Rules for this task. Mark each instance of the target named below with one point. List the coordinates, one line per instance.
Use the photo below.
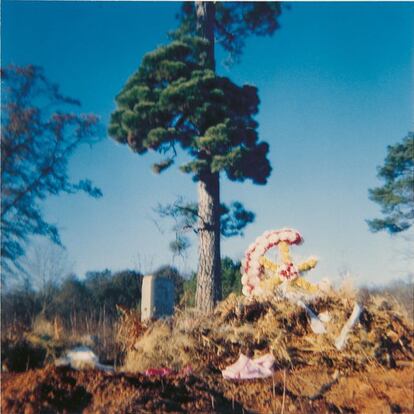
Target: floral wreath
(256, 267)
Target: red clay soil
(52, 390)
(312, 390)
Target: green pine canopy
(172, 99)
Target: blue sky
(336, 87)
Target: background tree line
(78, 302)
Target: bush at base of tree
(231, 282)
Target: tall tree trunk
(205, 11)
(209, 271)
(209, 268)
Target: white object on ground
(317, 325)
(247, 368)
(324, 316)
(316, 321)
(343, 336)
(82, 357)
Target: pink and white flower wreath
(253, 270)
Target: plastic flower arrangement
(260, 276)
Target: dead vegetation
(26, 347)
(383, 335)
(374, 369)
(374, 372)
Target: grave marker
(157, 297)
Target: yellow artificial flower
(284, 252)
(303, 284)
(268, 264)
(308, 265)
(269, 284)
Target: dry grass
(161, 346)
(312, 376)
(24, 347)
(382, 336)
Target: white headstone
(157, 297)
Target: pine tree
(396, 196)
(176, 99)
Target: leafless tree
(45, 266)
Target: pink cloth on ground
(247, 368)
(164, 372)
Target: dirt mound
(382, 336)
(51, 390)
(314, 390)
(372, 373)
(307, 390)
